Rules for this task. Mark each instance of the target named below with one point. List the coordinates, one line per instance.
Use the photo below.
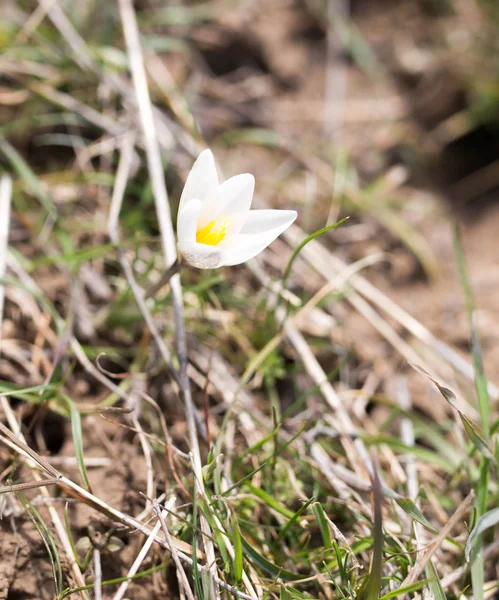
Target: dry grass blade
(418, 569)
(143, 552)
(319, 377)
(72, 104)
(13, 441)
(181, 575)
(247, 581)
(97, 575)
(76, 347)
(153, 153)
(20, 487)
(408, 437)
(321, 260)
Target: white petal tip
(250, 178)
(206, 154)
(202, 178)
(244, 179)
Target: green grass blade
(302, 244)
(270, 501)
(475, 434)
(489, 519)
(77, 439)
(218, 534)
(434, 582)
(69, 591)
(242, 480)
(293, 519)
(47, 539)
(238, 549)
(404, 590)
(477, 571)
(269, 566)
(320, 515)
(70, 536)
(27, 175)
(481, 386)
(409, 507)
(195, 570)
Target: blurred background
(386, 111)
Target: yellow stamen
(213, 233)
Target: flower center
(213, 233)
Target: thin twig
(97, 575)
(29, 485)
(181, 576)
(456, 518)
(147, 456)
(409, 439)
(142, 554)
(163, 280)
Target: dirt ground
(276, 65)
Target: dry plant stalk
(433, 546)
(155, 168)
(143, 552)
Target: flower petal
(202, 179)
(187, 220)
(201, 256)
(259, 221)
(264, 230)
(232, 196)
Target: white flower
(215, 226)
